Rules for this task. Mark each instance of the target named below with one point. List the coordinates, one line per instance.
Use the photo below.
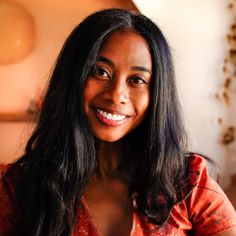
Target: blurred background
(201, 33)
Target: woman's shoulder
(6, 200)
(5, 182)
(197, 169)
(6, 188)
(208, 207)
(10, 175)
(3, 169)
(6, 179)
(196, 161)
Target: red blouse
(206, 211)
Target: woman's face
(117, 92)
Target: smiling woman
(116, 94)
(108, 156)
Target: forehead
(127, 46)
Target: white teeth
(111, 116)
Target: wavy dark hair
(60, 156)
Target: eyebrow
(110, 62)
(141, 68)
(106, 60)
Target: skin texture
(119, 84)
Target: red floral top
(206, 211)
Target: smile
(111, 116)
(110, 119)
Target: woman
(108, 156)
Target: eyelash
(98, 71)
(137, 80)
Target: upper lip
(113, 111)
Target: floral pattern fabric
(206, 211)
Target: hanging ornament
(17, 32)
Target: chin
(108, 138)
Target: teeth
(111, 116)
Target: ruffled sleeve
(209, 209)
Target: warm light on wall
(31, 35)
(17, 32)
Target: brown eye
(98, 71)
(137, 80)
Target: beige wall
(20, 81)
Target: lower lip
(108, 122)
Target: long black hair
(60, 156)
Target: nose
(116, 92)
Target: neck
(109, 156)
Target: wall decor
(17, 32)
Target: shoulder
(209, 209)
(197, 168)
(5, 183)
(6, 180)
(7, 200)
(5, 188)
(3, 168)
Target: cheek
(88, 94)
(145, 104)
(88, 88)
(89, 91)
(142, 102)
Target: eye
(137, 80)
(100, 72)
